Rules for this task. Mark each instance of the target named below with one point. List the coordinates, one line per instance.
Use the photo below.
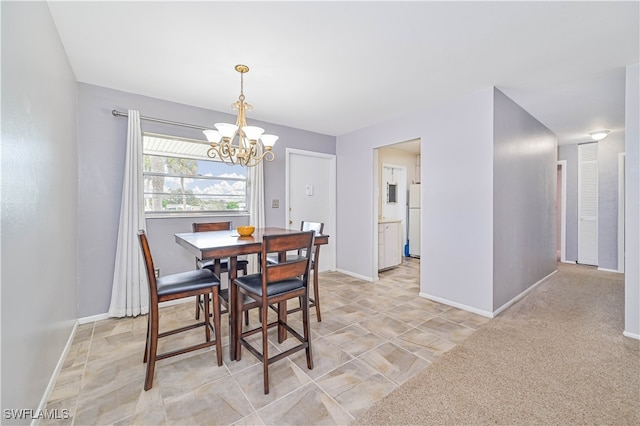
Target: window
(180, 177)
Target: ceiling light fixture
(250, 147)
(599, 135)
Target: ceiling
(335, 67)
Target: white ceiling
(335, 67)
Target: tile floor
(372, 339)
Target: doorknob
(290, 222)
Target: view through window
(180, 177)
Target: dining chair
(318, 227)
(201, 282)
(275, 284)
(222, 265)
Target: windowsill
(187, 215)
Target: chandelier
(239, 143)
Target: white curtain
(130, 291)
(256, 206)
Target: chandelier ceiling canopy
(239, 143)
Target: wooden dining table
(229, 244)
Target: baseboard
(609, 270)
(100, 317)
(353, 274)
(456, 305)
(631, 335)
(93, 318)
(572, 262)
(54, 376)
(521, 295)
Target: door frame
(332, 196)
(621, 209)
(563, 213)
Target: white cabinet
(389, 245)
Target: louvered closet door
(588, 204)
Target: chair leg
(153, 348)
(216, 325)
(238, 325)
(282, 319)
(316, 294)
(207, 329)
(198, 307)
(307, 331)
(146, 344)
(265, 348)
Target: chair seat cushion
(253, 283)
(186, 281)
(224, 264)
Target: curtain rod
(117, 113)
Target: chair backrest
(318, 227)
(148, 260)
(211, 226)
(289, 269)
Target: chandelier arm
(267, 155)
(246, 152)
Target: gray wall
(632, 203)
(524, 196)
(569, 153)
(39, 207)
(101, 152)
(608, 150)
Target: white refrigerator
(414, 220)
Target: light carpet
(557, 356)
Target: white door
(588, 204)
(311, 196)
(394, 182)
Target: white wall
(39, 204)
(632, 199)
(457, 158)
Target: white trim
(621, 203)
(482, 312)
(631, 335)
(609, 270)
(375, 214)
(457, 305)
(521, 295)
(93, 318)
(55, 374)
(101, 317)
(353, 274)
(563, 218)
(332, 196)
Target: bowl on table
(245, 231)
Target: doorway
(311, 196)
(387, 160)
